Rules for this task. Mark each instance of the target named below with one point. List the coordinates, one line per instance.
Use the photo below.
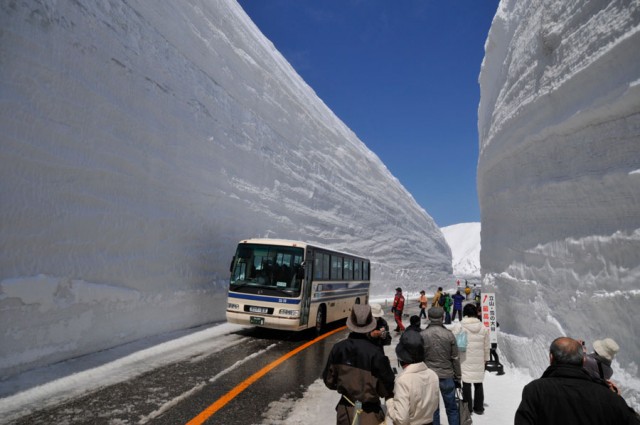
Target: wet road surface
(179, 392)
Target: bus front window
(272, 270)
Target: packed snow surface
(464, 241)
(558, 182)
(140, 142)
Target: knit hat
(410, 349)
(435, 313)
(376, 310)
(360, 320)
(606, 348)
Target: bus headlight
(292, 313)
(232, 306)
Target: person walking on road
(423, 305)
(359, 371)
(398, 307)
(416, 395)
(472, 361)
(441, 356)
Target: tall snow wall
(559, 175)
(140, 141)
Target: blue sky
(403, 75)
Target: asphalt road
(179, 392)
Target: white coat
(472, 361)
(416, 396)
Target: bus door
(305, 305)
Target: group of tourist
(431, 362)
(574, 389)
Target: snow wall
(140, 142)
(559, 175)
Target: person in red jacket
(398, 306)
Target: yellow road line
(222, 401)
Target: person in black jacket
(380, 334)
(566, 394)
(359, 371)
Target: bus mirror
(300, 272)
(233, 260)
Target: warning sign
(489, 315)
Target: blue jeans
(448, 390)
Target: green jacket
(447, 304)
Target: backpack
(461, 340)
(441, 300)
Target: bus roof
(299, 244)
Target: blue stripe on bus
(264, 298)
(333, 297)
(341, 286)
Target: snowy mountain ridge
(141, 142)
(464, 240)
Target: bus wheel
(320, 320)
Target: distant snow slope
(140, 141)
(559, 125)
(464, 241)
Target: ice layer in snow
(140, 141)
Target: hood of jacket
(472, 324)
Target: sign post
(490, 321)
(489, 315)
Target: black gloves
(458, 383)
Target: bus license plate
(256, 320)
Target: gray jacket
(440, 350)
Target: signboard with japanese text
(489, 320)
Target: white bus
(290, 285)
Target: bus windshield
(267, 269)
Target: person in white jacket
(417, 389)
(473, 359)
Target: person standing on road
(414, 324)
(380, 334)
(416, 395)
(477, 292)
(448, 302)
(441, 356)
(598, 363)
(472, 361)
(359, 371)
(567, 394)
(436, 297)
(398, 307)
(457, 306)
